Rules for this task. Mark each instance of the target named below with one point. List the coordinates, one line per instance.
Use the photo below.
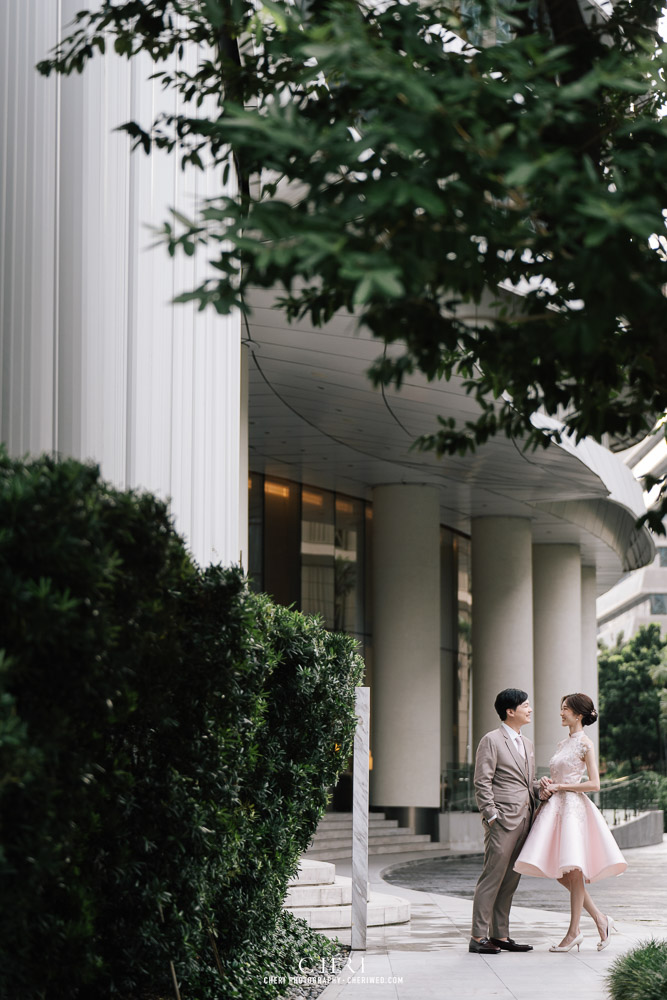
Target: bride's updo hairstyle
(581, 705)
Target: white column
(406, 640)
(589, 646)
(95, 361)
(557, 628)
(502, 614)
(28, 226)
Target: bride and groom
(547, 828)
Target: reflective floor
(637, 895)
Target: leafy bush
(166, 739)
(629, 674)
(641, 974)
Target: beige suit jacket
(505, 781)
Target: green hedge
(641, 974)
(166, 740)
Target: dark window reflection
(256, 531)
(311, 547)
(318, 553)
(349, 566)
(462, 548)
(282, 514)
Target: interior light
(313, 499)
(276, 489)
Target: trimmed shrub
(641, 974)
(85, 580)
(302, 746)
(166, 739)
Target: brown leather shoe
(483, 947)
(510, 945)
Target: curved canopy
(315, 418)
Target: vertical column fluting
(557, 635)
(502, 614)
(589, 645)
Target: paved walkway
(428, 957)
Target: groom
(506, 794)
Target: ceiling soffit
(315, 418)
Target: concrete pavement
(428, 957)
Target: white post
(360, 820)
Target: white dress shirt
(516, 739)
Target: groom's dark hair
(509, 698)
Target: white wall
(96, 363)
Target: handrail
(629, 795)
(623, 797)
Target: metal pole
(360, 820)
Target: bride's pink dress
(569, 831)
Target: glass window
(658, 604)
(318, 553)
(464, 730)
(662, 553)
(282, 505)
(349, 565)
(256, 531)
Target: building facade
(640, 597)
(458, 576)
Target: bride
(570, 840)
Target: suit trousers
(497, 883)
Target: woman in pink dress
(569, 839)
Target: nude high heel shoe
(568, 947)
(611, 929)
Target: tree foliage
(495, 208)
(632, 688)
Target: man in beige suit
(507, 795)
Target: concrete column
(589, 646)
(557, 634)
(502, 614)
(406, 640)
(97, 362)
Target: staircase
(324, 899)
(333, 838)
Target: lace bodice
(569, 762)
(569, 832)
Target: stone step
(345, 819)
(313, 871)
(382, 909)
(338, 893)
(403, 834)
(336, 829)
(345, 853)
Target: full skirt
(570, 833)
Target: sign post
(360, 820)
